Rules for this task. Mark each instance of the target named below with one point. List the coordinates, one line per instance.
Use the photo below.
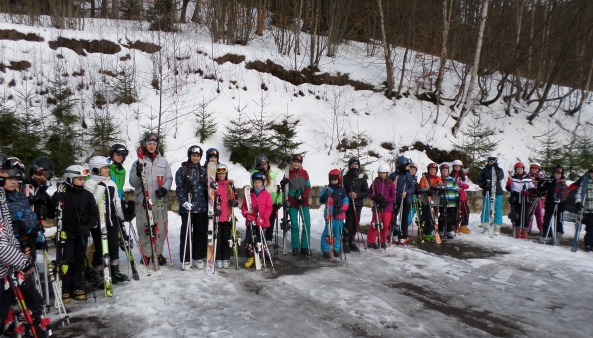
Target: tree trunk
(443, 59)
(196, 16)
(93, 8)
(469, 102)
(315, 17)
(183, 11)
(115, 9)
(387, 53)
(104, 4)
(401, 78)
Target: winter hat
(353, 159)
(401, 163)
(559, 168)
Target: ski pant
(404, 226)
(223, 249)
(427, 219)
(273, 216)
(463, 213)
(337, 225)
(588, 222)
(485, 216)
(159, 217)
(73, 255)
(250, 241)
(350, 224)
(296, 218)
(6, 300)
(112, 246)
(198, 237)
(548, 215)
(517, 215)
(90, 251)
(447, 219)
(538, 215)
(385, 217)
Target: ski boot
(117, 275)
(326, 255)
(65, 298)
(464, 230)
(306, 252)
(162, 260)
(226, 264)
(97, 278)
(218, 264)
(337, 254)
(79, 295)
(249, 262)
(372, 246)
(450, 235)
(295, 251)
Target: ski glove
(440, 186)
(161, 192)
(301, 200)
(38, 198)
(188, 206)
(579, 207)
(233, 203)
(379, 199)
(83, 231)
(214, 185)
(261, 222)
(525, 193)
(284, 181)
(58, 197)
(139, 169)
(250, 218)
(217, 212)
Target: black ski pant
(350, 225)
(112, 246)
(447, 219)
(588, 222)
(516, 208)
(251, 241)
(273, 216)
(427, 218)
(73, 254)
(223, 250)
(549, 212)
(199, 224)
(6, 300)
(463, 213)
(405, 212)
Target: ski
(492, 203)
(255, 248)
(150, 228)
(285, 221)
(210, 254)
(329, 238)
(577, 227)
(234, 242)
(129, 254)
(30, 325)
(161, 208)
(107, 283)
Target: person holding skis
(413, 171)
(272, 185)
(404, 192)
(212, 155)
(491, 174)
(382, 192)
(225, 200)
(298, 200)
(191, 181)
(261, 208)
(105, 191)
(430, 185)
(536, 175)
(584, 205)
(520, 186)
(335, 198)
(556, 192)
(462, 181)
(448, 203)
(157, 170)
(357, 187)
(79, 215)
(35, 187)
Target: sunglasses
(84, 172)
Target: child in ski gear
(463, 207)
(357, 187)
(536, 175)
(584, 205)
(556, 192)
(336, 203)
(404, 191)
(35, 187)
(79, 215)
(212, 156)
(105, 191)
(191, 180)
(272, 185)
(382, 192)
(490, 174)
(413, 171)
(298, 199)
(227, 199)
(520, 186)
(448, 203)
(261, 208)
(157, 170)
(430, 185)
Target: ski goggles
(13, 163)
(334, 177)
(122, 151)
(492, 159)
(297, 158)
(213, 153)
(152, 141)
(42, 172)
(83, 172)
(221, 171)
(558, 170)
(195, 150)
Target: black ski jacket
(361, 187)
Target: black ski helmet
(2, 160)
(297, 158)
(259, 160)
(258, 176)
(211, 152)
(44, 166)
(120, 149)
(401, 163)
(14, 167)
(194, 150)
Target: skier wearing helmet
(272, 185)
(448, 203)
(35, 187)
(536, 175)
(490, 179)
(335, 198)
(430, 185)
(463, 207)
(382, 192)
(521, 187)
(404, 192)
(357, 187)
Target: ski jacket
(450, 195)
(272, 186)
(101, 186)
(463, 184)
(5, 219)
(78, 201)
(118, 175)
(299, 185)
(357, 183)
(42, 204)
(337, 202)
(153, 167)
(261, 206)
(585, 194)
(20, 209)
(385, 188)
(486, 174)
(226, 193)
(10, 254)
(554, 190)
(191, 177)
(516, 184)
(404, 180)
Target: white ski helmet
(535, 165)
(457, 162)
(74, 171)
(98, 162)
(383, 168)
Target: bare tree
(387, 53)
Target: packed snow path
(471, 286)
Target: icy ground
(472, 286)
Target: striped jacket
(516, 184)
(10, 253)
(450, 195)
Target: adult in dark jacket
(556, 192)
(357, 187)
(35, 187)
(404, 190)
(490, 174)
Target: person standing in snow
(157, 170)
(462, 206)
(335, 198)
(413, 171)
(382, 192)
(357, 187)
(584, 205)
(191, 180)
(536, 175)
(448, 204)
(556, 192)
(490, 174)
(35, 187)
(261, 207)
(272, 185)
(404, 192)
(226, 199)
(430, 185)
(520, 186)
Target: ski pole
(161, 207)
